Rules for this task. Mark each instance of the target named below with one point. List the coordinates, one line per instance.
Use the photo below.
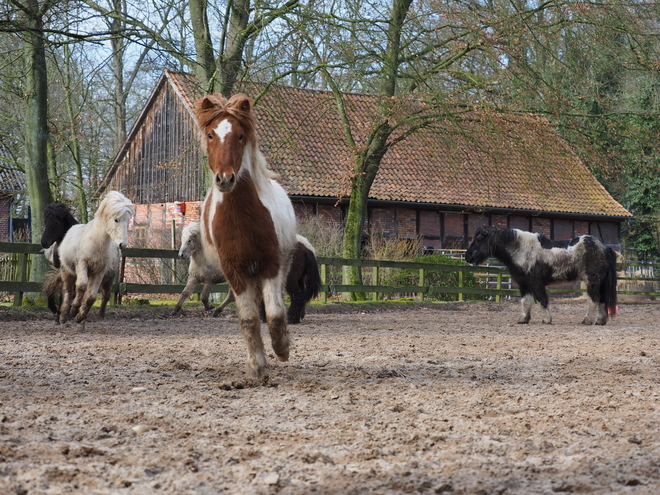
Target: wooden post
(499, 286)
(375, 277)
(116, 297)
(324, 273)
(422, 274)
(460, 284)
(174, 274)
(21, 273)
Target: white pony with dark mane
(200, 270)
(90, 253)
(534, 261)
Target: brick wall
(580, 228)
(429, 223)
(5, 212)
(501, 221)
(406, 220)
(152, 225)
(330, 214)
(542, 226)
(382, 221)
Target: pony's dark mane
(212, 107)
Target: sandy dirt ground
(444, 398)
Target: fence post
(460, 284)
(375, 282)
(22, 275)
(498, 297)
(324, 273)
(116, 297)
(422, 282)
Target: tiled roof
(479, 160)
(11, 180)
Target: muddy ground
(445, 398)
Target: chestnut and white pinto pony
(303, 282)
(248, 219)
(534, 261)
(89, 256)
(200, 270)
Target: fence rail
(490, 275)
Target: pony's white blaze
(223, 129)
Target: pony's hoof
(256, 374)
(217, 312)
(523, 321)
(587, 322)
(283, 358)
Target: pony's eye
(116, 220)
(240, 138)
(210, 136)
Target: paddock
(448, 398)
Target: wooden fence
(494, 278)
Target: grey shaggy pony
(534, 261)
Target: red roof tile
(486, 160)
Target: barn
(440, 184)
(12, 183)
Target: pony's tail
(312, 277)
(608, 289)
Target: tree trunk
(368, 161)
(36, 127)
(118, 49)
(205, 66)
(230, 59)
(73, 137)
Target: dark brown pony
(248, 219)
(57, 222)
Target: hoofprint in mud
(436, 398)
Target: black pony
(535, 261)
(303, 281)
(57, 222)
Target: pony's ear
(240, 102)
(205, 103)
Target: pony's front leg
(106, 287)
(206, 293)
(248, 322)
(82, 282)
(68, 287)
(526, 307)
(89, 297)
(185, 294)
(276, 316)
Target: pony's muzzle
(224, 183)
